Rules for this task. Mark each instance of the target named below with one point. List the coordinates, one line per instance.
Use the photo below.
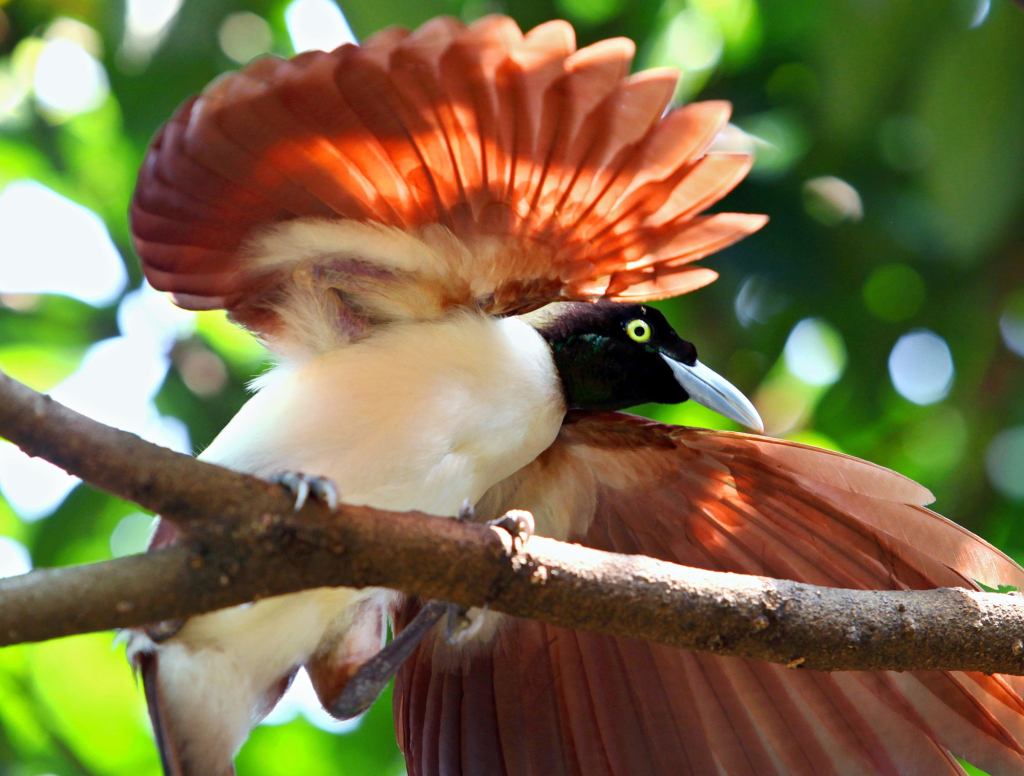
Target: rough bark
(246, 542)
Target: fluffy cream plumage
(417, 416)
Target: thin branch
(247, 543)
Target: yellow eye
(638, 330)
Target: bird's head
(610, 356)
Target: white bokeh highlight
(52, 245)
(982, 8)
(1011, 327)
(301, 699)
(14, 558)
(243, 36)
(1004, 462)
(146, 314)
(757, 301)
(115, 384)
(132, 534)
(316, 25)
(921, 367)
(815, 352)
(68, 79)
(146, 24)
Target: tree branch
(245, 542)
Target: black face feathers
(610, 356)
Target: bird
(451, 239)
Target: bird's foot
(517, 523)
(462, 624)
(302, 486)
(163, 630)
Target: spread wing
(456, 165)
(545, 700)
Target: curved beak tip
(711, 390)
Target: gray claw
(518, 523)
(302, 485)
(325, 490)
(461, 625)
(467, 514)
(456, 623)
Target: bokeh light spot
(244, 36)
(894, 292)
(739, 24)
(815, 352)
(758, 300)
(980, 14)
(921, 367)
(1004, 461)
(55, 246)
(68, 79)
(1011, 323)
(132, 534)
(783, 141)
(316, 24)
(32, 486)
(146, 314)
(146, 24)
(831, 200)
(14, 92)
(114, 384)
(202, 370)
(301, 698)
(14, 558)
(690, 42)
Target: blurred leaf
(739, 22)
(815, 439)
(370, 748)
(973, 107)
(19, 160)
(91, 700)
(862, 52)
(39, 366)
(10, 523)
(79, 530)
(103, 181)
(971, 770)
(236, 345)
(1002, 589)
(590, 11)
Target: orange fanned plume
(557, 172)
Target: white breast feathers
(417, 416)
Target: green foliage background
(917, 106)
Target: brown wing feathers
(736, 503)
(558, 154)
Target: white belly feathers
(418, 416)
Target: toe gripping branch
(373, 676)
(302, 486)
